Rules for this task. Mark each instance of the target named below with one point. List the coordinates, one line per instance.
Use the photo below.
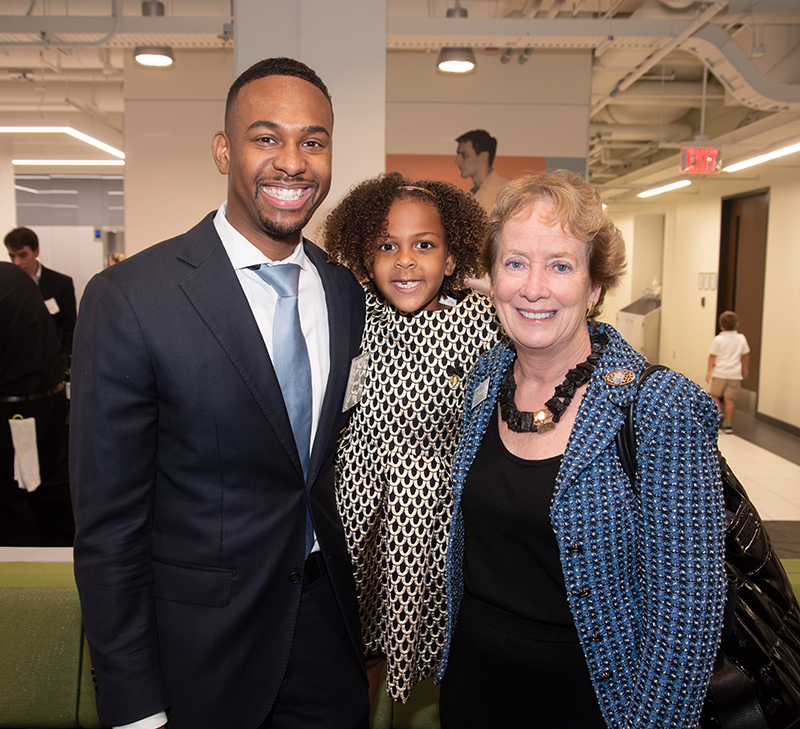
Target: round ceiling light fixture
(154, 56)
(456, 60)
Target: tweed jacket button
(584, 592)
(604, 676)
(575, 548)
(595, 637)
(295, 577)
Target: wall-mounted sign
(701, 160)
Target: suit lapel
(339, 306)
(211, 285)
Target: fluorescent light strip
(762, 158)
(666, 188)
(65, 130)
(68, 162)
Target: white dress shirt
(263, 299)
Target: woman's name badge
(355, 381)
(481, 393)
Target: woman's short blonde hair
(577, 207)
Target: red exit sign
(701, 160)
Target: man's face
(467, 161)
(276, 151)
(25, 258)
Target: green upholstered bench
(45, 673)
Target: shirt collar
(242, 253)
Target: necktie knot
(284, 277)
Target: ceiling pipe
(652, 60)
(45, 42)
(639, 132)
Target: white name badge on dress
(481, 393)
(52, 306)
(355, 381)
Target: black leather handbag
(755, 683)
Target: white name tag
(481, 393)
(52, 306)
(355, 381)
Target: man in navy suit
(57, 289)
(201, 602)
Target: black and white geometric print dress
(393, 475)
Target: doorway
(742, 265)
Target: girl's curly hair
(353, 230)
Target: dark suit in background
(55, 285)
(30, 387)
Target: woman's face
(541, 284)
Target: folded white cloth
(26, 454)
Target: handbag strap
(731, 690)
(626, 435)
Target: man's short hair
(19, 238)
(728, 321)
(273, 67)
(482, 141)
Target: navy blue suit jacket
(58, 286)
(189, 496)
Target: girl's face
(412, 259)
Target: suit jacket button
(295, 577)
(605, 675)
(594, 637)
(584, 592)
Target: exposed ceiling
(665, 72)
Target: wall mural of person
(474, 157)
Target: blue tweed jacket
(644, 573)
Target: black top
(511, 557)
(29, 351)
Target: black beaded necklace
(543, 420)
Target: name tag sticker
(355, 381)
(52, 306)
(480, 394)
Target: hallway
(767, 462)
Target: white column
(8, 196)
(345, 43)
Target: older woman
(573, 599)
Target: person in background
(35, 509)
(57, 289)
(474, 158)
(116, 257)
(577, 599)
(411, 244)
(207, 390)
(728, 365)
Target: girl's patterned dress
(393, 475)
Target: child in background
(728, 365)
(411, 244)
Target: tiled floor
(772, 482)
(767, 462)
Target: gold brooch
(619, 377)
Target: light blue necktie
(290, 359)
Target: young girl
(411, 244)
